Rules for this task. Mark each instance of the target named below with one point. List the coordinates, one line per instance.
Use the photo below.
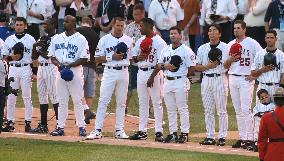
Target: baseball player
(68, 51)
(241, 83)
(264, 105)
(113, 51)
(2, 86)
(149, 79)
(176, 84)
(46, 76)
(21, 71)
(269, 76)
(214, 86)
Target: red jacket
(269, 129)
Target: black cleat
(28, 127)
(41, 129)
(159, 137)
(239, 144)
(208, 141)
(171, 138)
(252, 146)
(89, 115)
(183, 137)
(221, 142)
(139, 135)
(9, 127)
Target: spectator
(60, 13)
(219, 12)
(4, 30)
(127, 8)
(190, 22)
(166, 14)
(273, 19)
(255, 20)
(271, 131)
(243, 7)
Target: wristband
(108, 58)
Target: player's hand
(142, 56)
(250, 78)
(169, 66)
(34, 77)
(117, 56)
(267, 68)
(212, 65)
(16, 57)
(234, 58)
(150, 82)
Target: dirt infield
(131, 123)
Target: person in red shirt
(271, 131)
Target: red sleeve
(262, 137)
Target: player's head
(87, 21)
(147, 25)
(138, 12)
(270, 38)
(3, 18)
(118, 25)
(239, 29)
(175, 34)
(279, 97)
(69, 23)
(20, 24)
(263, 96)
(214, 32)
(49, 25)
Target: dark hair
(271, 31)
(243, 24)
(279, 101)
(148, 21)
(176, 28)
(139, 6)
(21, 19)
(118, 19)
(259, 92)
(216, 26)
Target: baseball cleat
(40, 129)
(208, 141)
(89, 115)
(221, 142)
(139, 135)
(183, 137)
(239, 144)
(95, 134)
(251, 146)
(171, 138)
(120, 134)
(159, 137)
(9, 127)
(28, 127)
(82, 131)
(57, 132)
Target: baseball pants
(256, 120)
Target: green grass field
(34, 150)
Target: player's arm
(208, 66)
(264, 69)
(229, 61)
(78, 62)
(55, 62)
(150, 81)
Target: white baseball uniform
(46, 80)
(241, 90)
(22, 72)
(262, 108)
(146, 68)
(2, 67)
(176, 87)
(68, 49)
(115, 78)
(214, 90)
(269, 80)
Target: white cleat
(95, 134)
(121, 135)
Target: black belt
(270, 84)
(18, 65)
(146, 69)
(43, 64)
(276, 140)
(212, 75)
(239, 75)
(173, 78)
(117, 68)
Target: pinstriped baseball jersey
(259, 107)
(202, 57)
(273, 76)
(106, 48)
(186, 54)
(157, 46)
(28, 42)
(249, 48)
(68, 49)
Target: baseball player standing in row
(241, 83)
(2, 86)
(269, 76)
(46, 75)
(21, 71)
(146, 53)
(68, 51)
(178, 61)
(114, 51)
(214, 86)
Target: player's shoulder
(232, 42)
(30, 37)
(260, 52)
(159, 40)
(107, 37)
(203, 47)
(279, 53)
(126, 37)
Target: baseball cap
(279, 92)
